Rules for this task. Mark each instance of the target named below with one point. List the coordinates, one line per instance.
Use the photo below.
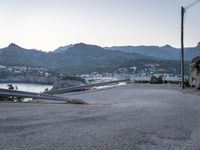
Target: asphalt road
(122, 118)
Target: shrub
(11, 98)
(156, 80)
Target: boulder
(195, 73)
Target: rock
(195, 73)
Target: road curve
(121, 118)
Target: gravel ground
(136, 117)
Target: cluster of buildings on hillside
(15, 70)
(25, 74)
(107, 77)
(32, 74)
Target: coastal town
(99, 75)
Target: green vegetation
(3, 98)
(10, 87)
(46, 90)
(11, 98)
(82, 58)
(187, 83)
(156, 80)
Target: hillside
(88, 58)
(164, 52)
(14, 55)
(79, 58)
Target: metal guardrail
(24, 94)
(142, 79)
(83, 87)
(178, 79)
(47, 96)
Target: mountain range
(84, 58)
(164, 52)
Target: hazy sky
(48, 24)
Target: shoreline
(18, 82)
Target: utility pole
(183, 10)
(182, 47)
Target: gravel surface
(138, 117)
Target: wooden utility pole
(182, 47)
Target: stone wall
(195, 73)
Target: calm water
(27, 86)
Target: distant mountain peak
(13, 45)
(63, 48)
(167, 46)
(80, 44)
(74, 46)
(83, 45)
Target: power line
(188, 2)
(181, 2)
(192, 4)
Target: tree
(10, 87)
(11, 98)
(46, 90)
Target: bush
(11, 87)
(156, 80)
(187, 83)
(3, 98)
(11, 98)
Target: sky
(49, 24)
